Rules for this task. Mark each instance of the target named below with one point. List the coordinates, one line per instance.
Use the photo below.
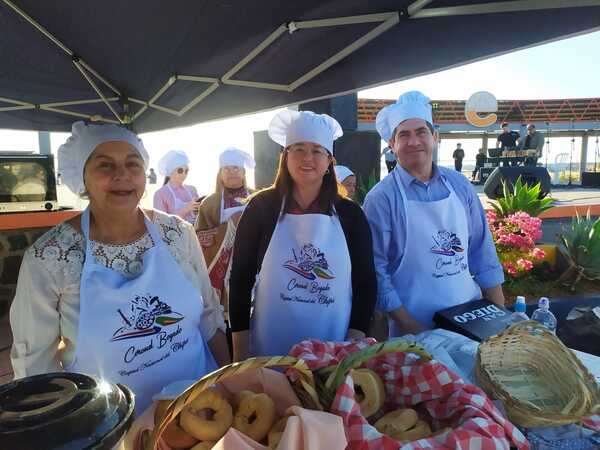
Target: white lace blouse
(44, 314)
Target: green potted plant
(364, 187)
(522, 198)
(580, 246)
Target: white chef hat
(235, 157)
(342, 172)
(171, 161)
(84, 139)
(290, 127)
(410, 105)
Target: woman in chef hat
(231, 190)
(347, 179)
(218, 218)
(175, 197)
(99, 293)
(308, 249)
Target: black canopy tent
(155, 65)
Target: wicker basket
(540, 381)
(330, 378)
(304, 387)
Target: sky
(569, 68)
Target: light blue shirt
(384, 209)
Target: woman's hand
(219, 349)
(241, 348)
(192, 206)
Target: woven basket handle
(306, 379)
(356, 359)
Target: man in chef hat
(431, 243)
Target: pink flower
(525, 264)
(511, 269)
(538, 253)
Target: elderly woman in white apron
(175, 197)
(116, 292)
(302, 250)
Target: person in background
(174, 197)
(390, 158)
(98, 293)
(302, 260)
(347, 179)
(218, 219)
(534, 140)
(231, 190)
(458, 156)
(480, 159)
(507, 140)
(431, 243)
(152, 176)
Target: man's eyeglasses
(181, 170)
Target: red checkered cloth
(441, 395)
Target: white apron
(143, 332)
(304, 287)
(179, 204)
(434, 271)
(226, 213)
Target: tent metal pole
(257, 50)
(501, 7)
(15, 102)
(76, 114)
(349, 20)
(58, 43)
(258, 85)
(100, 94)
(16, 108)
(141, 111)
(80, 102)
(164, 109)
(417, 6)
(38, 27)
(380, 29)
(198, 99)
(170, 82)
(197, 79)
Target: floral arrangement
(514, 237)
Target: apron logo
(446, 243)
(310, 264)
(147, 316)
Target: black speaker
(529, 175)
(266, 155)
(590, 179)
(342, 108)
(360, 151)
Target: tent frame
(416, 10)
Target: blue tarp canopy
(155, 64)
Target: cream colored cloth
(45, 311)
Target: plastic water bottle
(544, 316)
(519, 315)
